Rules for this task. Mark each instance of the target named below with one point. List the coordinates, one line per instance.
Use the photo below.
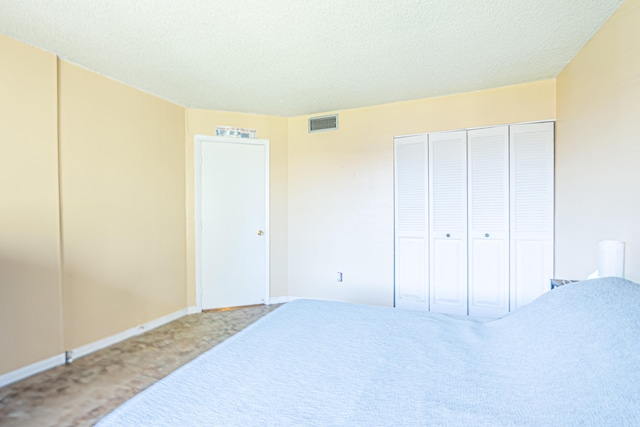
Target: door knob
(260, 232)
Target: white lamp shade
(610, 258)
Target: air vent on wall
(323, 123)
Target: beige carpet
(81, 393)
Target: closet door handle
(486, 235)
(448, 235)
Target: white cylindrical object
(610, 258)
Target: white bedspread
(572, 357)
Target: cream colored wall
(30, 290)
(598, 148)
(122, 166)
(341, 185)
(123, 225)
(204, 122)
(126, 167)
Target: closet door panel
(411, 225)
(488, 296)
(411, 266)
(448, 292)
(488, 202)
(448, 222)
(531, 229)
(532, 259)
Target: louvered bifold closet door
(488, 201)
(448, 222)
(411, 225)
(531, 153)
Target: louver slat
(411, 189)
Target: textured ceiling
(295, 57)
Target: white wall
(341, 185)
(598, 148)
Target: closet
(474, 219)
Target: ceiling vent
(323, 123)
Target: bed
(571, 357)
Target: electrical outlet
(339, 276)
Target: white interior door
(448, 222)
(411, 230)
(233, 198)
(488, 151)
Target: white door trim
(198, 141)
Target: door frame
(207, 139)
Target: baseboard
(29, 370)
(278, 300)
(194, 309)
(131, 332)
(57, 360)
